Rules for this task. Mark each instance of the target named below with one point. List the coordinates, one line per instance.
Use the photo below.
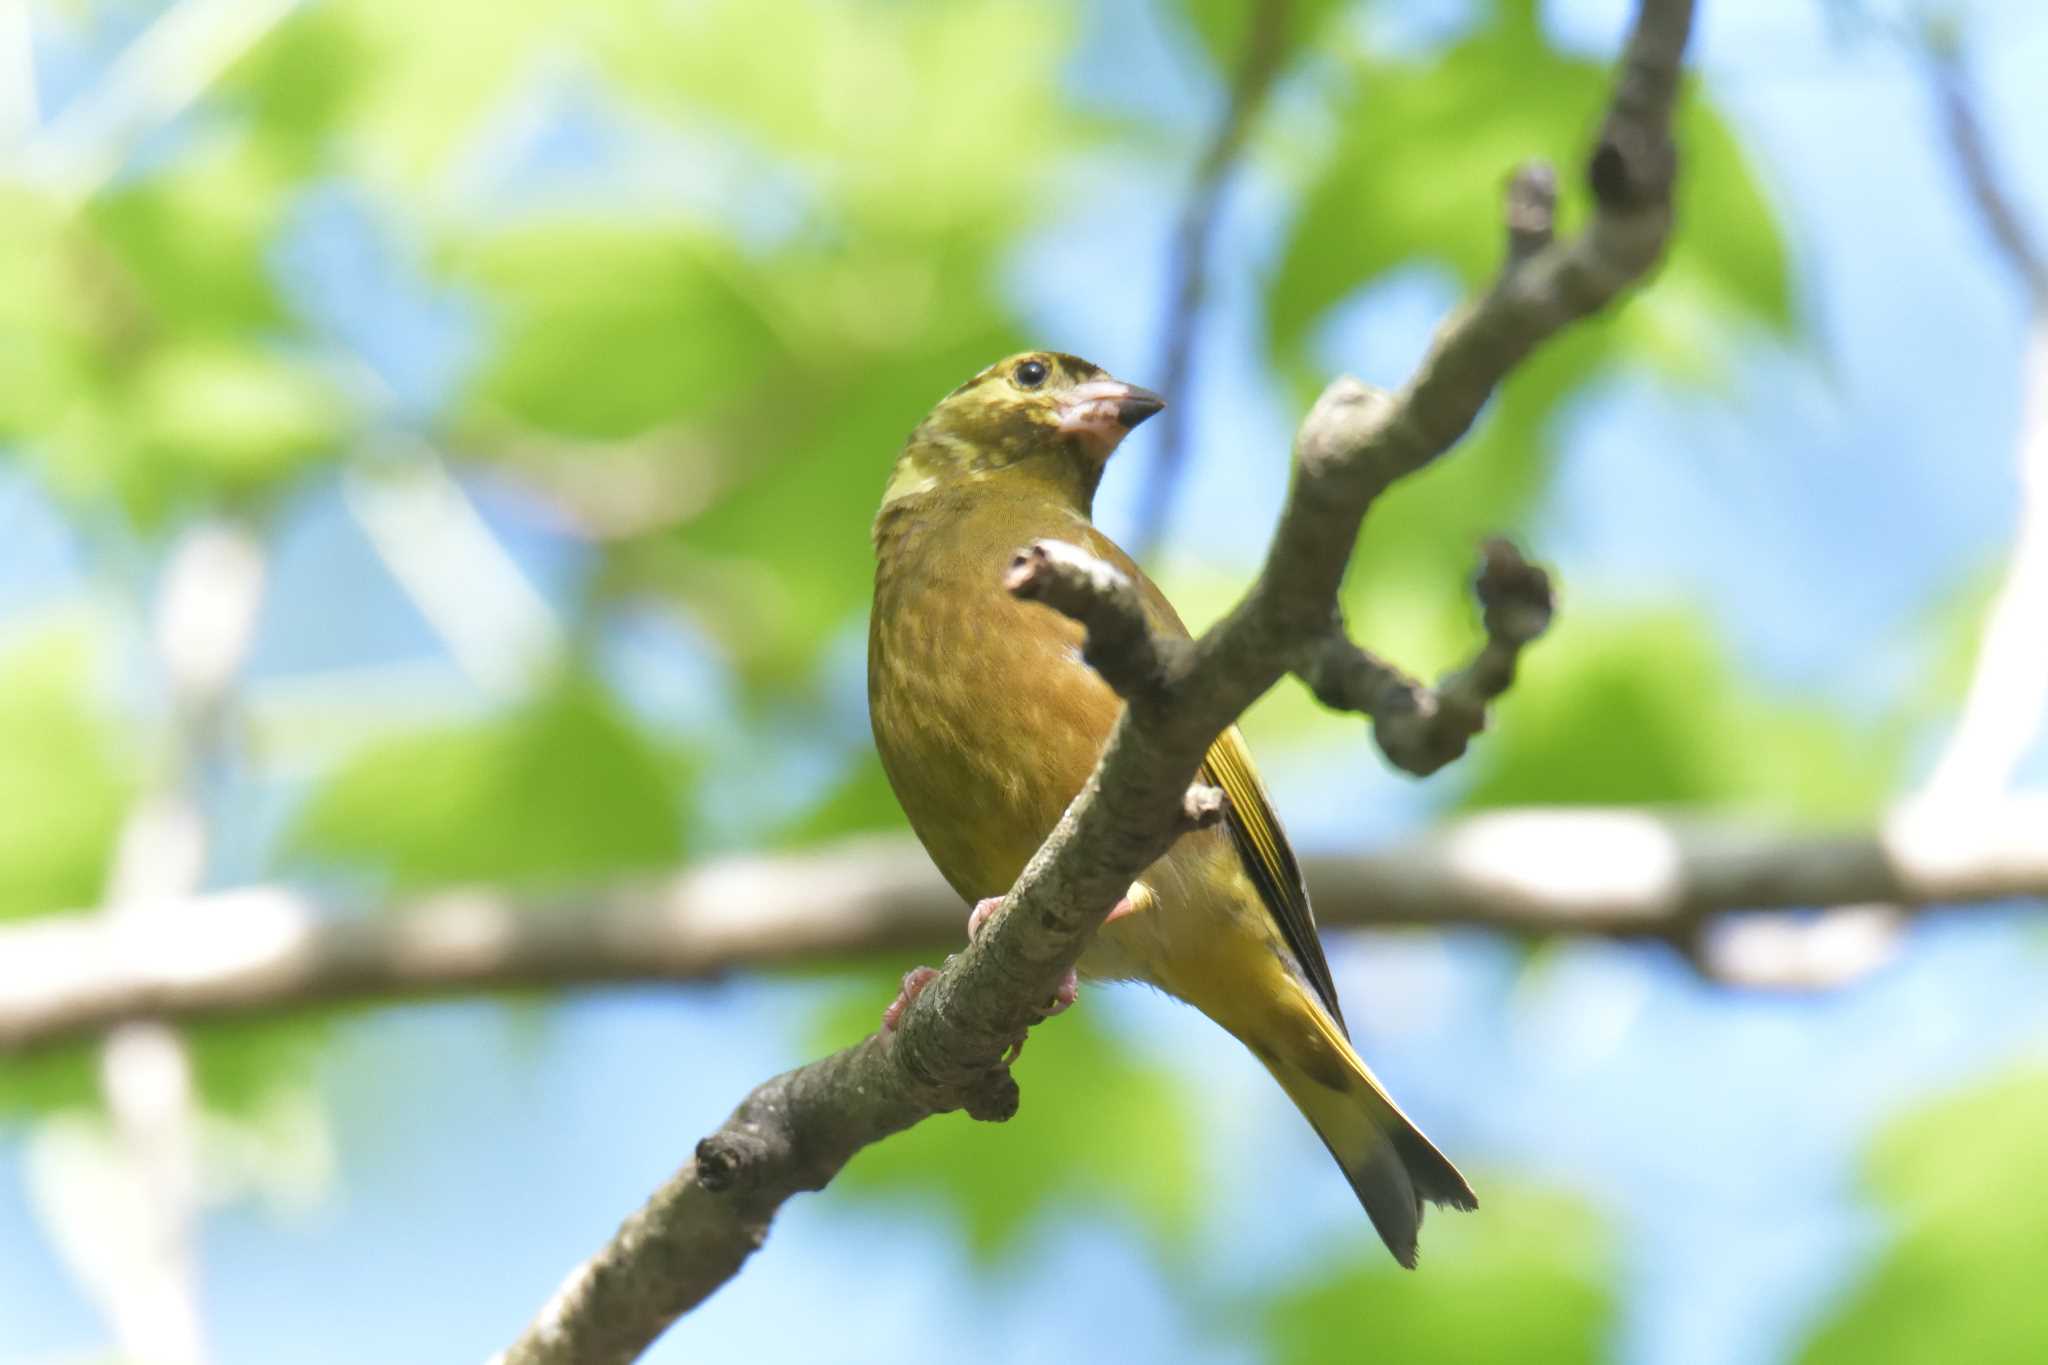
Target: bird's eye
(1031, 374)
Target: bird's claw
(979, 915)
(1070, 986)
(914, 982)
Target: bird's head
(1042, 417)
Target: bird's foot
(1070, 985)
(978, 916)
(914, 982)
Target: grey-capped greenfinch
(989, 722)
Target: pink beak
(1102, 412)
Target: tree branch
(1421, 729)
(263, 950)
(144, 1265)
(796, 1131)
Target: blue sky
(480, 1151)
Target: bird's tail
(1392, 1167)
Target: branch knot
(1139, 663)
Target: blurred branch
(138, 1259)
(2007, 698)
(430, 536)
(19, 99)
(1955, 93)
(157, 76)
(949, 1049)
(1577, 871)
(1264, 50)
(614, 490)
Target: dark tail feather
(1392, 1167)
(1395, 1171)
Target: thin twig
(144, 1266)
(2006, 701)
(1420, 729)
(1188, 271)
(1969, 152)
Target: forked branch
(796, 1131)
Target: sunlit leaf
(1523, 1280)
(56, 1078)
(183, 249)
(235, 418)
(238, 1065)
(1648, 708)
(1392, 194)
(861, 802)
(608, 329)
(1098, 1130)
(1962, 1279)
(65, 774)
(561, 789)
(1224, 26)
(912, 124)
(394, 91)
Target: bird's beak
(1102, 412)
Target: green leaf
(1525, 1280)
(42, 1082)
(238, 1065)
(393, 91)
(1097, 1130)
(607, 329)
(296, 87)
(1408, 589)
(863, 801)
(1224, 26)
(43, 324)
(142, 356)
(187, 244)
(190, 424)
(1963, 1279)
(562, 789)
(1417, 177)
(65, 779)
(922, 121)
(235, 418)
(1618, 709)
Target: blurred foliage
(1224, 27)
(559, 790)
(998, 1180)
(1962, 1279)
(64, 782)
(722, 256)
(1434, 202)
(1647, 708)
(1528, 1282)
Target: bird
(988, 722)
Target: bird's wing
(1248, 814)
(1263, 847)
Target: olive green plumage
(988, 722)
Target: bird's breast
(986, 719)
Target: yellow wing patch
(1269, 861)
